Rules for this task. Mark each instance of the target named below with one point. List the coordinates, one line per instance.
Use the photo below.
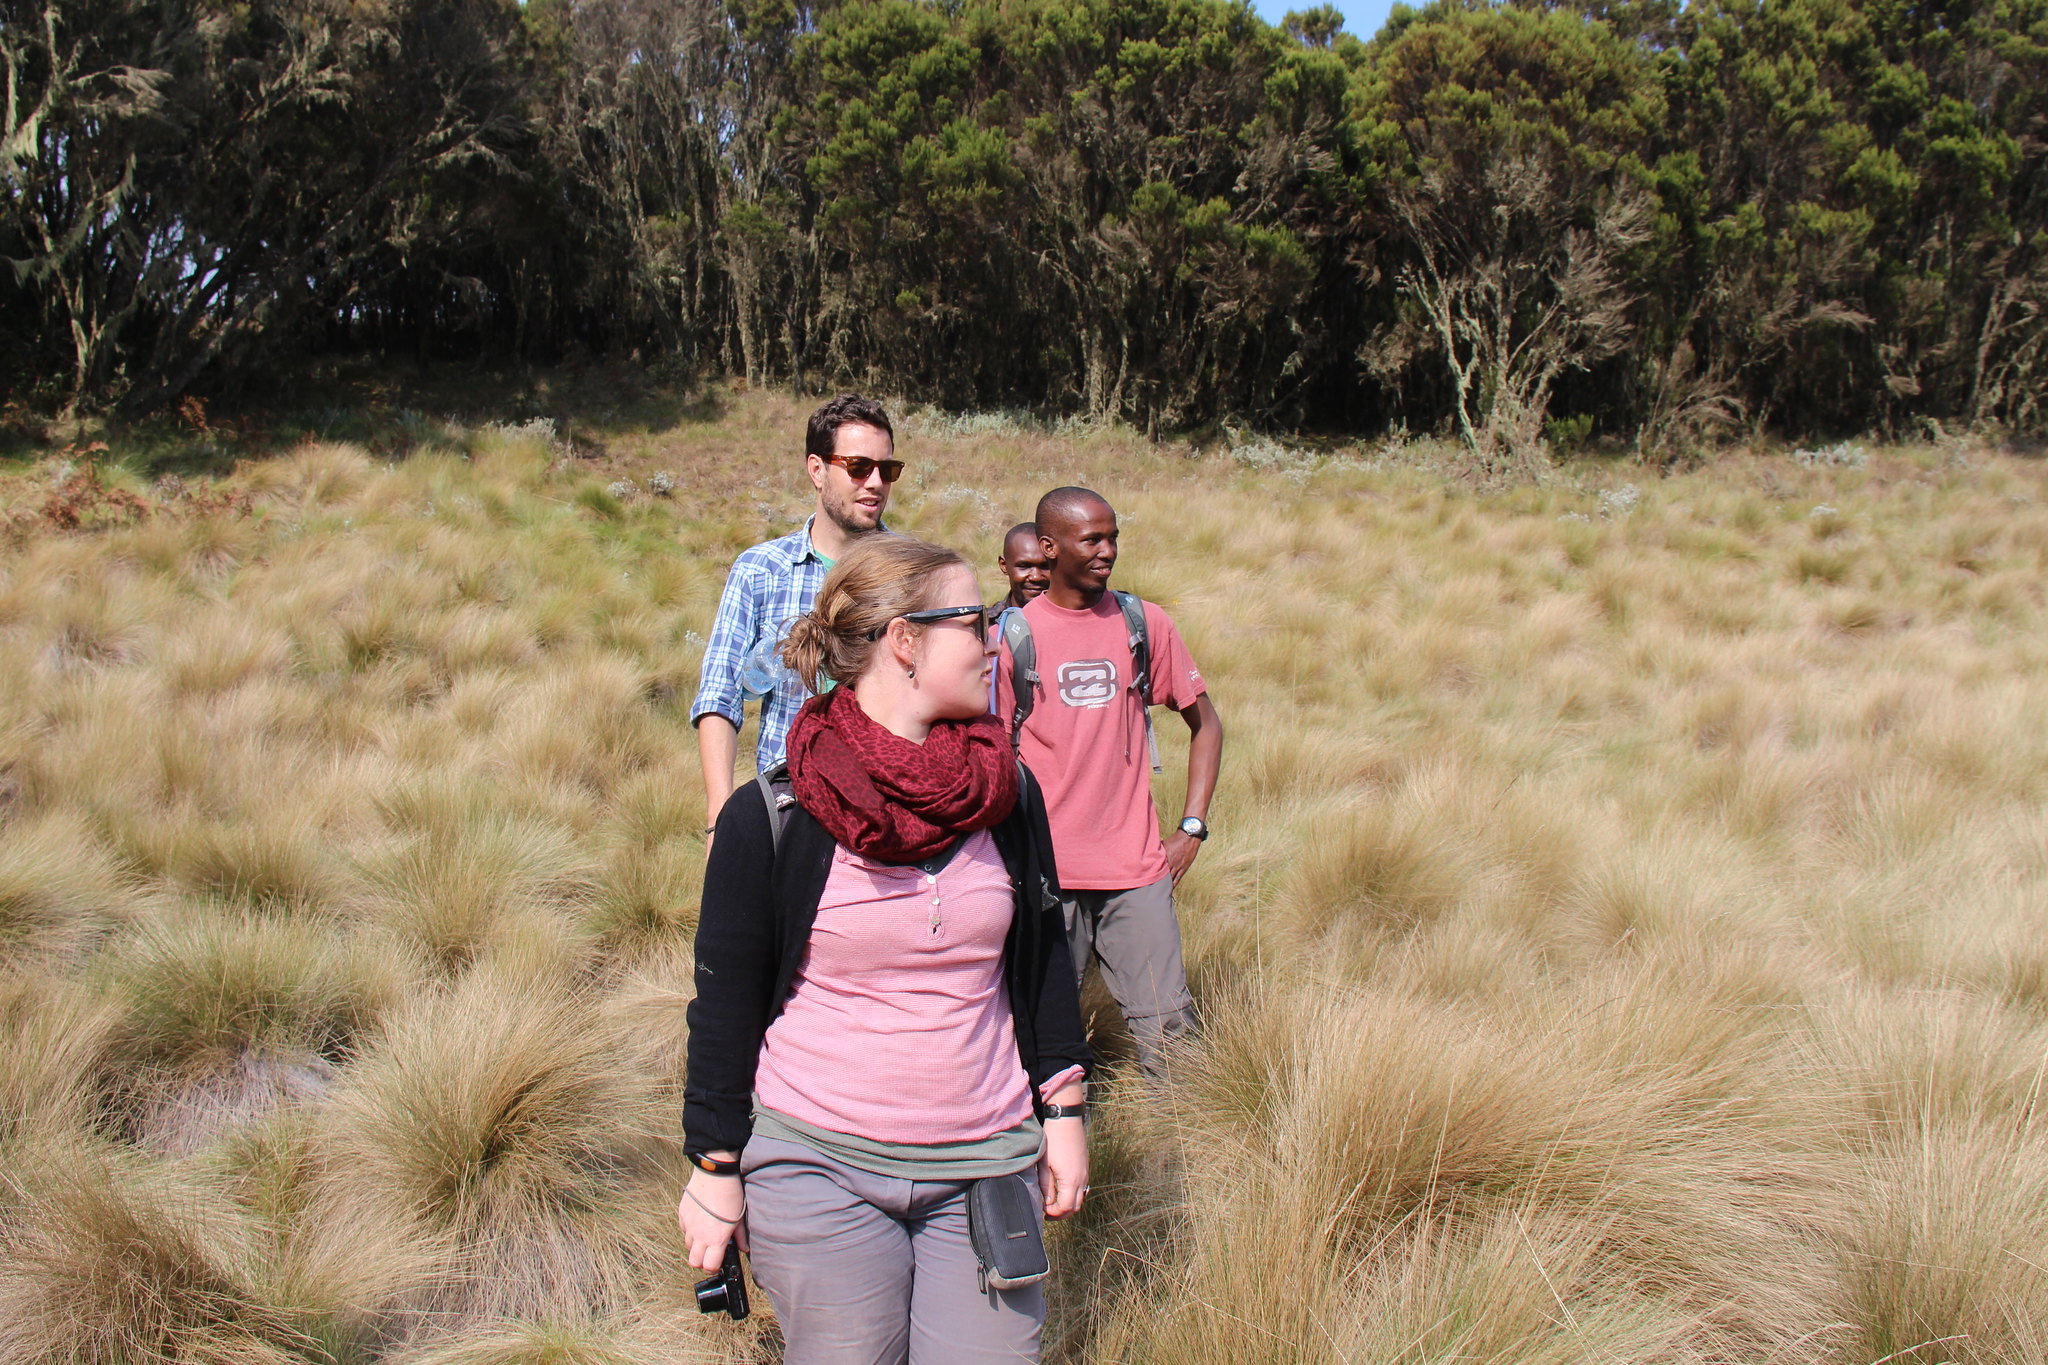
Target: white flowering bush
(1841, 455)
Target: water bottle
(761, 671)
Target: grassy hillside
(1622, 940)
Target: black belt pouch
(1006, 1225)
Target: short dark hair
(1022, 528)
(1064, 502)
(821, 434)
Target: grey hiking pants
(1136, 937)
(868, 1269)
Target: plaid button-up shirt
(770, 585)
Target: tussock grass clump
(591, 726)
(209, 663)
(654, 1338)
(1945, 1214)
(456, 892)
(108, 1262)
(1377, 864)
(60, 892)
(523, 1344)
(1367, 1143)
(228, 1016)
(277, 863)
(52, 1035)
(648, 897)
(500, 1120)
(318, 474)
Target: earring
(911, 672)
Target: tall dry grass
(1621, 942)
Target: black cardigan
(754, 927)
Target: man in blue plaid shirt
(850, 452)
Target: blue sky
(1362, 18)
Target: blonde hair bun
(882, 577)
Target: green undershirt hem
(1013, 1149)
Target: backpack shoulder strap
(780, 798)
(1133, 609)
(1023, 672)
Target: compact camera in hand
(725, 1292)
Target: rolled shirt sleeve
(1176, 682)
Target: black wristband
(1066, 1111)
(711, 1165)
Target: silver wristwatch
(1194, 828)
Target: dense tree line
(1616, 216)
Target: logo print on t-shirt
(1088, 682)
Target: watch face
(1193, 828)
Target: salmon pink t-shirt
(1085, 737)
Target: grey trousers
(868, 1269)
(1136, 937)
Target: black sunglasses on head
(924, 618)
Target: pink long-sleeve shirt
(899, 1028)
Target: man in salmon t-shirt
(1086, 741)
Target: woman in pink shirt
(886, 1012)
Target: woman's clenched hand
(1063, 1167)
(712, 1212)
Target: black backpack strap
(1023, 672)
(776, 791)
(1133, 609)
(1141, 643)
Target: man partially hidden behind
(1086, 741)
(850, 453)
(1024, 564)
(1027, 570)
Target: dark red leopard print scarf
(889, 799)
